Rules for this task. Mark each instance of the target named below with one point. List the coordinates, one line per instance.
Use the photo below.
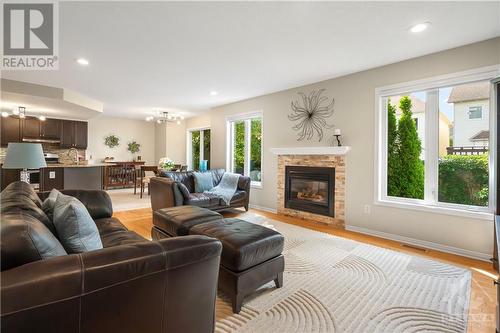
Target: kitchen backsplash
(47, 148)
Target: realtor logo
(29, 36)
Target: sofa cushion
(238, 195)
(206, 200)
(22, 188)
(20, 196)
(244, 244)
(113, 233)
(25, 239)
(176, 221)
(202, 181)
(185, 178)
(97, 202)
(75, 227)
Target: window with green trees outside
(199, 148)
(245, 152)
(443, 161)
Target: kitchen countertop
(59, 165)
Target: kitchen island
(72, 176)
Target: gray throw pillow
(203, 181)
(75, 227)
(49, 204)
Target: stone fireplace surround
(333, 157)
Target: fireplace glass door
(310, 189)
(315, 191)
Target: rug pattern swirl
(333, 284)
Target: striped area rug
(333, 284)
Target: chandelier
(164, 117)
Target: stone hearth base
(332, 161)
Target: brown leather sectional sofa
(131, 285)
(165, 191)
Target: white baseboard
(266, 209)
(421, 243)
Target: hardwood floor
(483, 291)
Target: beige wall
(355, 115)
(127, 130)
(160, 141)
(201, 121)
(176, 142)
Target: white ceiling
(170, 55)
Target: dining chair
(146, 172)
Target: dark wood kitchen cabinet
(51, 178)
(70, 133)
(74, 134)
(50, 129)
(11, 130)
(81, 134)
(31, 128)
(34, 128)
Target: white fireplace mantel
(311, 150)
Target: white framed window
(434, 165)
(475, 112)
(198, 147)
(244, 145)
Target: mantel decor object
(337, 136)
(311, 114)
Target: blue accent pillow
(203, 181)
(75, 227)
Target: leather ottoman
(176, 221)
(251, 256)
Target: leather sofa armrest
(162, 193)
(166, 279)
(97, 202)
(244, 183)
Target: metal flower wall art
(311, 114)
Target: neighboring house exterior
(471, 114)
(418, 111)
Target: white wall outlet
(52, 174)
(368, 209)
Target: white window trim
(229, 143)
(431, 169)
(189, 150)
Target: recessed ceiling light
(213, 93)
(419, 27)
(5, 114)
(82, 61)
(42, 118)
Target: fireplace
(310, 189)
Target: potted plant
(167, 164)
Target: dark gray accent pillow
(184, 190)
(75, 227)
